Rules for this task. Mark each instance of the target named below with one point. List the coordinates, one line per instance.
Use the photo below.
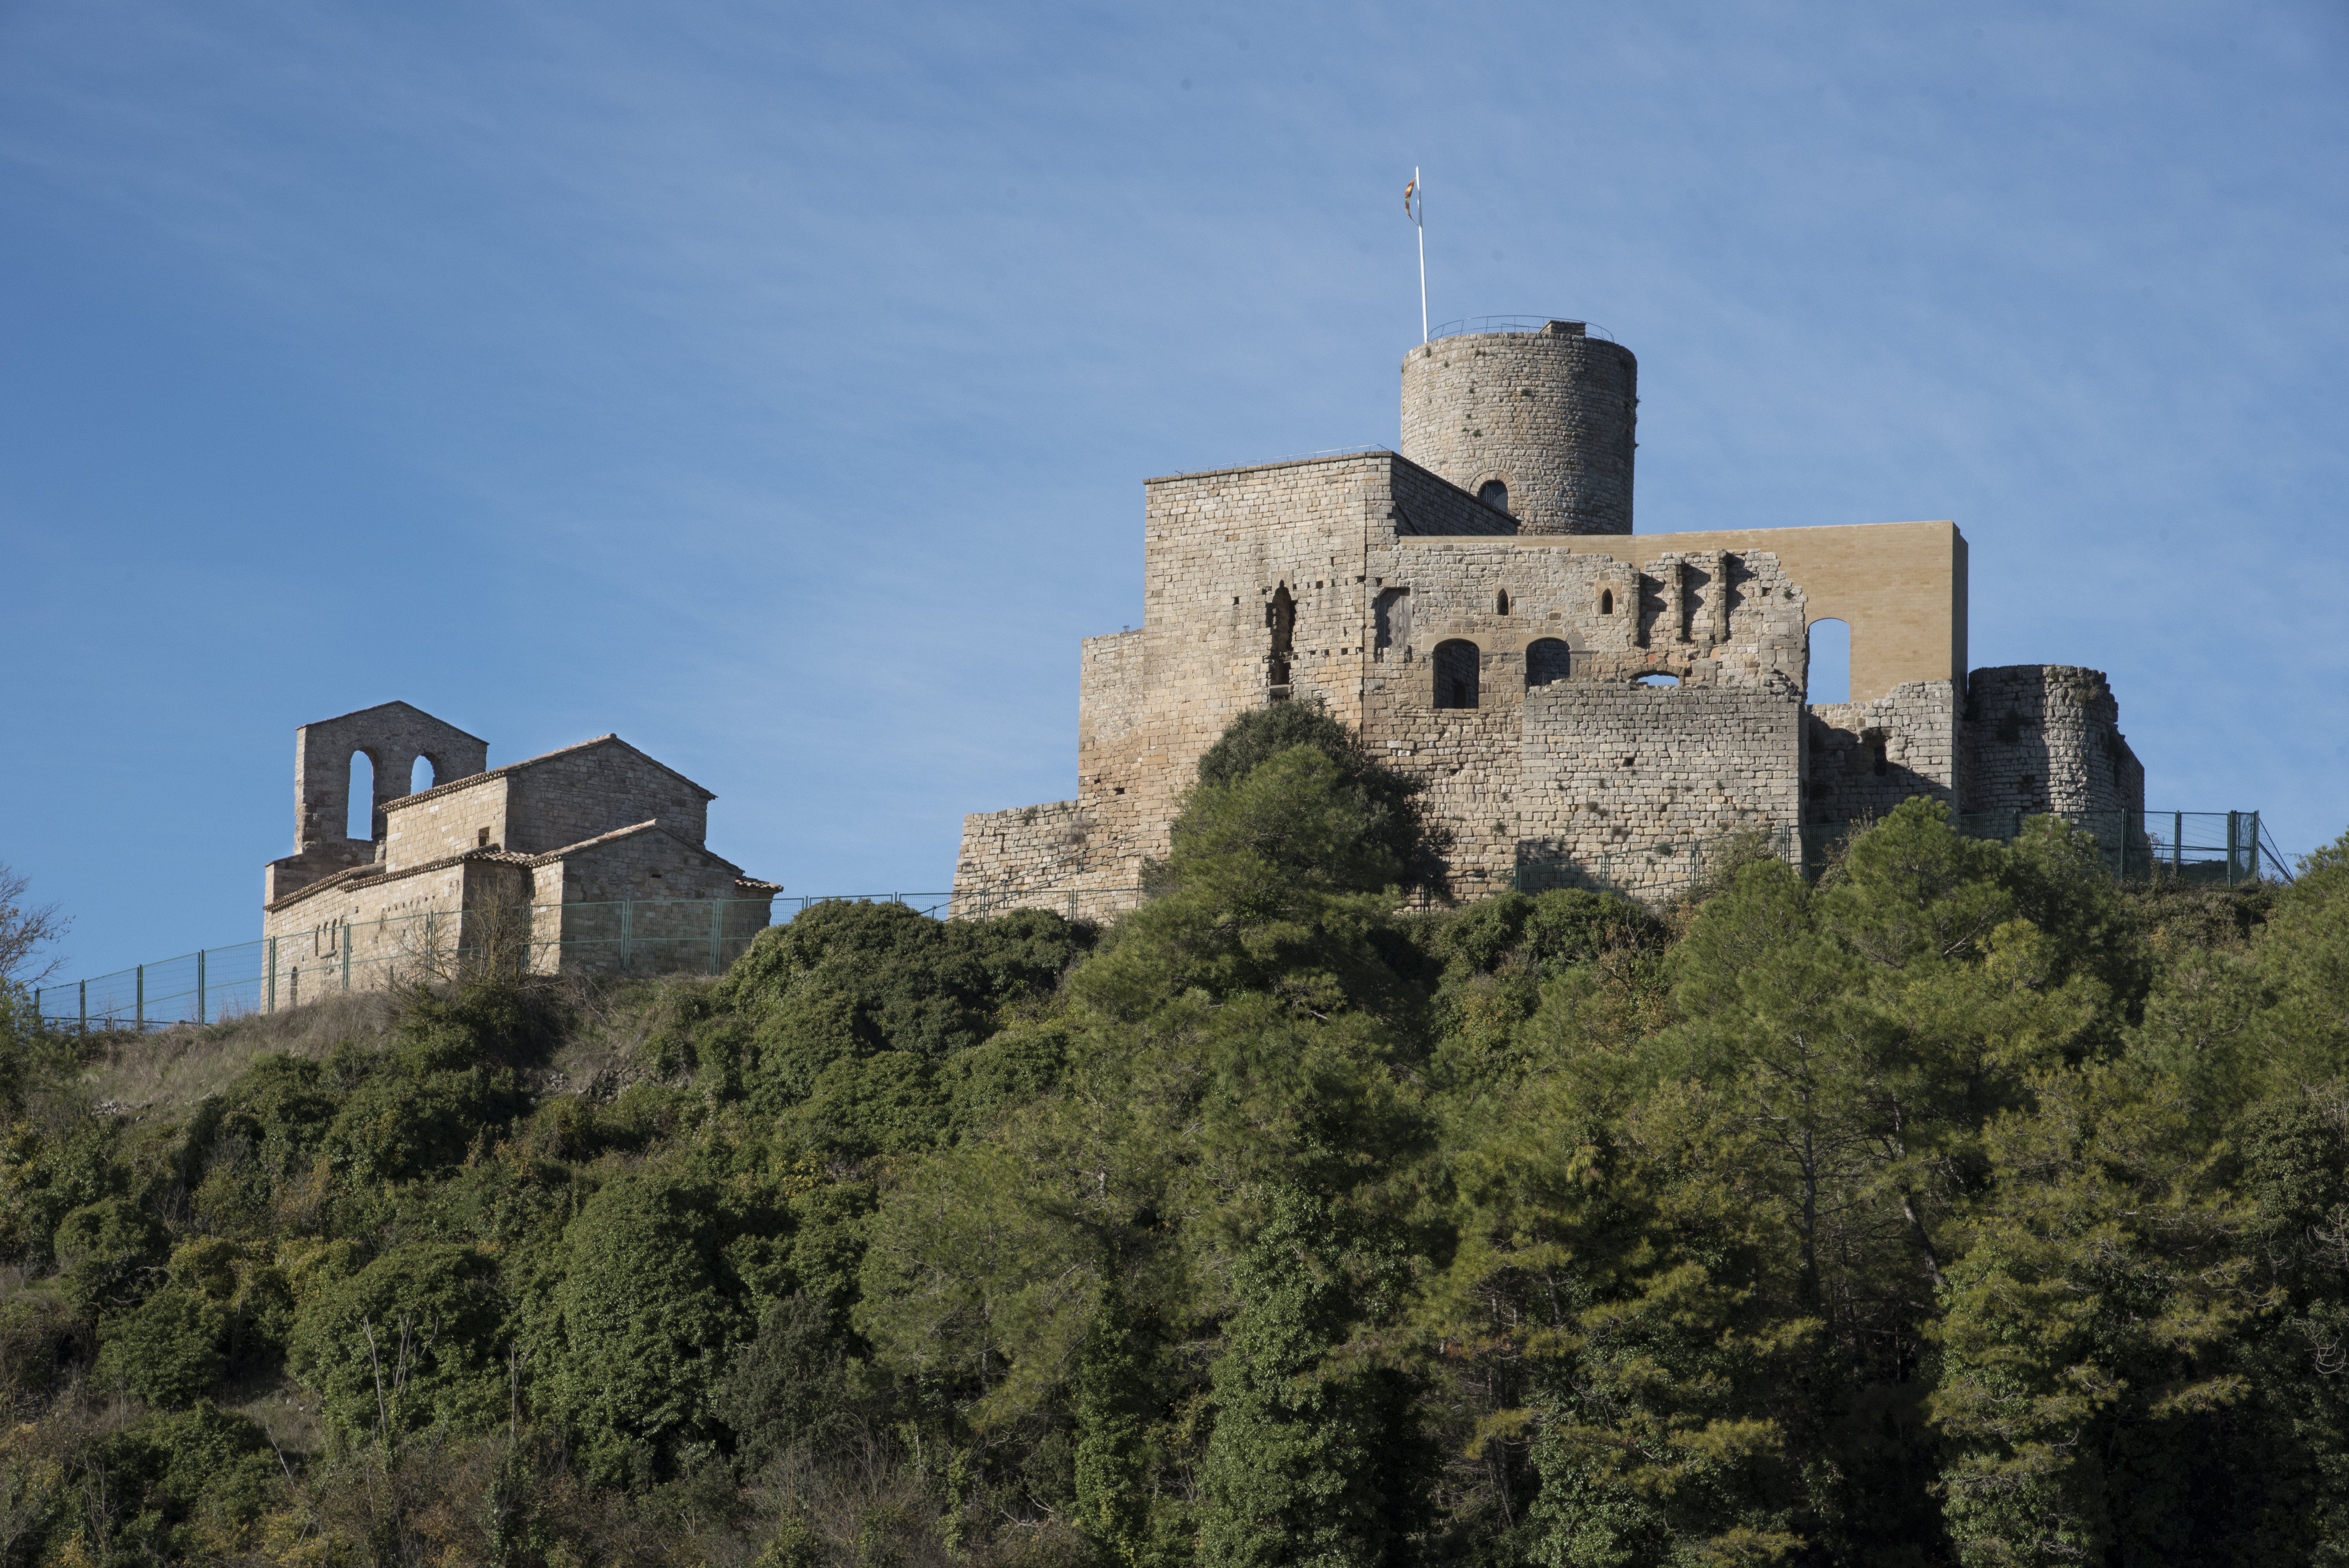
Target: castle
(591, 857)
(1580, 700)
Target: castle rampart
(1567, 698)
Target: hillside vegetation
(1960, 1208)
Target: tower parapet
(1539, 423)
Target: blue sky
(773, 385)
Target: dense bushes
(1956, 1207)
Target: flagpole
(1418, 221)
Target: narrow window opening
(1879, 762)
(1280, 615)
(1607, 601)
(481, 837)
(1501, 602)
(360, 822)
(1829, 680)
(423, 774)
(1455, 665)
(1494, 493)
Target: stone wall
(1865, 758)
(540, 805)
(599, 833)
(391, 735)
(1009, 856)
(451, 820)
(2046, 737)
(1549, 414)
(582, 791)
(1513, 663)
(1619, 783)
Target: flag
(1411, 194)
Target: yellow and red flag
(1410, 197)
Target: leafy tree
(1393, 824)
(1112, 1418)
(1310, 1462)
(2087, 1327)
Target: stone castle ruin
(578, 859)
(1580, 700)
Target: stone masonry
(1540, 422)
(1583, 704)
(603, 846)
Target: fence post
(85, 1006)
(201, 1017)
(294, 987)
(270, 957)
(626, 908)
(717, 932)
(139, 1007)
(2251, 851)
(2176, 845)
(346, 935)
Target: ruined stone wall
(2046, 737)
(1865, 758)
(1550, 414)
(1619, 783)
(1393, 584)
(1022, 851)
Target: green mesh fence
(702, 936)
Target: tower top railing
(1470, 325)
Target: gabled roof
(513, 768)
(404, 707)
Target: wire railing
(622, 937)
(2220, 849)
(1467, 326)
(629, 937)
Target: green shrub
(415, 1338)
(168, 1349)
(640, 1327)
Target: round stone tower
(1537, 422)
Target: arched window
(1607, 601)
(1495, 493)
(1829, 677)
(1280, 615)
(1659, 680)
(1456, 674)
(361, 815)
(1501, 602)
(423, 775)
(1546, 660)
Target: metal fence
(2223, 849)
(623, 938)
(671, 936)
